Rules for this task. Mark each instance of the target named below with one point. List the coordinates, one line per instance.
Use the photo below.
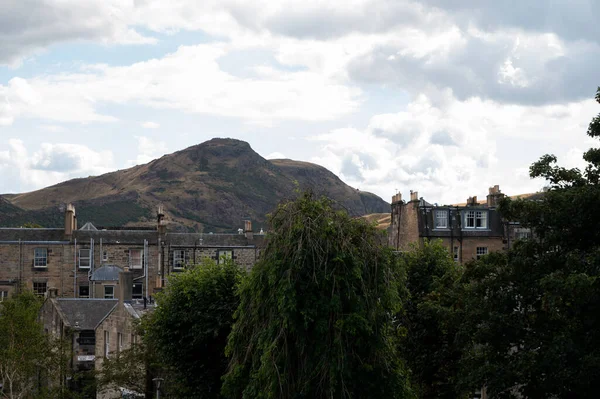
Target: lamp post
(158, 380)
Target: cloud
(48, 165)
(188, 80)
(150, 125)
(148, 150)
(29, 26)
(462, 147)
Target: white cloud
(150, 125)
(148, 150)
(275, 155)
(189, 80)
(50, 164)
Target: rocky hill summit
(208, 187)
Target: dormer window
(441, 219)
(476, 220)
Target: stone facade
(468, 231)
(65, 258)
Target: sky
(443, 97)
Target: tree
(533, 313)
(29, 359)
(189, 329)
(316, 315)
(432, 318)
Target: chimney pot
(125, 286)
(414, 195)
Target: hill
(212, 186)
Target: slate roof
(215, 240)
(16, 234)
(83, 314)
(106, 273)
(89, 226)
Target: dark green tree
(31, 362)
(533, 314)
(188, 330)
(432, 319)
(316, 318)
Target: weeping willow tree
(315, 318)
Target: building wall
(404, 230)
(119, 321)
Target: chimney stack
(414, 195)
(396, 198)
(248, 229)
(160, 223)
(125, 286)
(495, 196)
(70, 220)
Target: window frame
(482, 218)
(36, 290)
(456, 254)
(3, 295)
(106, 344)
(179, 260)
(135, 296)
(119, 342)
(484, 251)
(113, 291)
(444, 218)
(224, 252)
(88, 258)
(141, 264)
(37, 258)
(88, 290)
(104, 256)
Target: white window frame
(522, 234)
(3, 295)
(141, 259)
(481, 251)
(105, 256)
(476, 215)
(40, 257)
(113, 291)
(456, 254)
(87, 258)
(106, 344)
(178, 259)
(38, 293)
(119, 342)
(223, 255)
(440, 216)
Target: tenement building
(86, 262)
(469, 230)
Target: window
(456, 254)
(104, 256)
(224, 255)
(119, 342)
(40, 289)
(135, 258)
(109, 292)
(441, 219)
(40, 257)
(481, 251)
(522, 234)
(84, 258)
(106, 343)
(476, 219)
(137, 291)
(84, 291)
(3, 295)
(178, 259)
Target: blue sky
(390, 95)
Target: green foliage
(316, 318)
(127, 369)
(190, 327)
(533, 314)
(29, 359)
(432, 320)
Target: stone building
(117, 329)
(79, 263)
(468, 230)
(74, 320)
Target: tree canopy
(316, 315)
(189, 328)
(533, 313)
